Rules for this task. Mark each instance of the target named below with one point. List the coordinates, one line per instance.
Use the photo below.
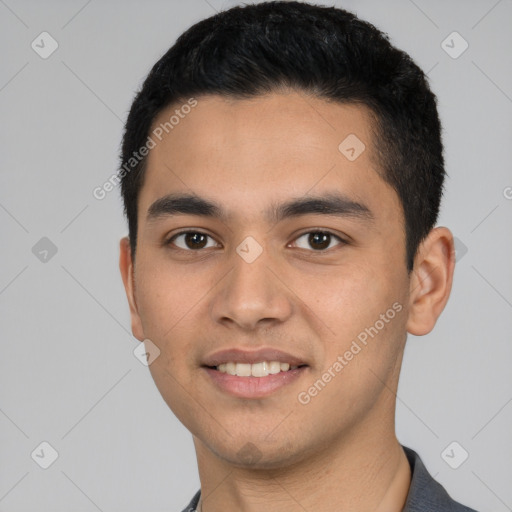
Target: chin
(258, 454)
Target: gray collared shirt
(425, 494)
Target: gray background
(68, 373)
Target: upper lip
(240, 355)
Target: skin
(339, 452)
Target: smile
(261, 369)
(254, 381)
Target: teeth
(254, 370)
(274, 367)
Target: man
(282, 172)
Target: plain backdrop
(68, 373)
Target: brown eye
(192, 240)
(318, 240)
(195, 240)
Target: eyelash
(340, 240)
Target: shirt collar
(425, 494)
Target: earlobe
(431, 281)
(127, 274)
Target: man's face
(324, 265)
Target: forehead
(304, 125)
(264, 147)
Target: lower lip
(254, 387)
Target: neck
(370, 473)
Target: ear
(431, 280)
(128, 275)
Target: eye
(192, 241)
(317, 240)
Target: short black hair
(253, 50)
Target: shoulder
(191, 507)
(425, 494)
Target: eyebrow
(329, 204)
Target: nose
(251, 296)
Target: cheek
(365, 314)
(167, 300)
(349, 298)
(164, 297)
(361, 312)
(173, 309)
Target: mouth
(259, 370)
(255, 373)
(254, 380)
